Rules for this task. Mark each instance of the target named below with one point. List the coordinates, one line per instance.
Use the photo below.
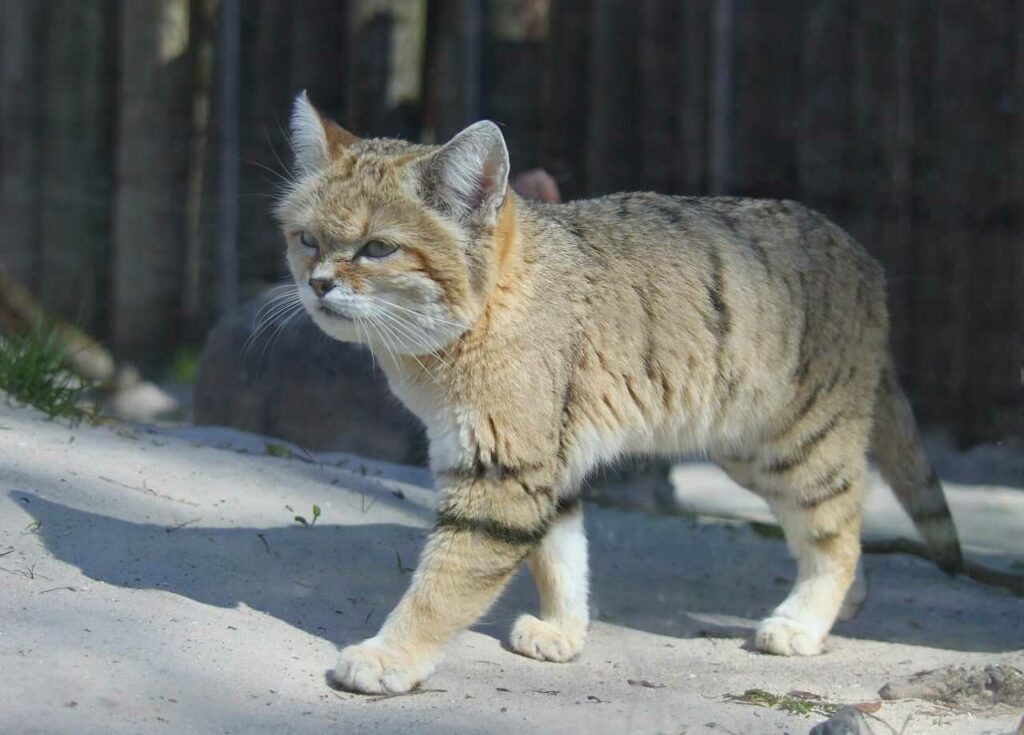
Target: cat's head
(390, 243)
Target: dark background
(141, 143)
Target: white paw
(547, 641)
(373, 667)
(785, 637)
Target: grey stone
(304, 387)
(847, 721)
(976, 686)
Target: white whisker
(410, 331)
(269, 315)
(380, 331)
(423, 315)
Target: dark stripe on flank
(670, 213)
(623, 211)
(721, 324)
(648, 353)
(803, 363)
(784, 464)
(809, 403)
(574, 228)
(567, 505)
(716, 296)
(824, 537)
(493, 529)
(480, 468)
(728, 221)
(831, 492)
(761, 253)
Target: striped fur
(536, 341)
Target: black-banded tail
(896, 443)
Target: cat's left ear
(469, 175)
(315, 138)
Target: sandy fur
(537, 341)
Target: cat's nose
(321, 285)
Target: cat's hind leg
(821, 518)
(560, 570)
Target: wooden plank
(197, 314)
(987, 183)
(385, 67)
(21, 72)
(766, 98)
(512, 88)
(566, 119)
(692, 101)
(882, 107)
(453, 68)
(154, 117)
(658, 52)
(613, 139)
(826, 178)
(266, 95)
(76, 165)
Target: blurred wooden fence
(903, 121)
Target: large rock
(847, 721)
(302, 386)
(321, 394)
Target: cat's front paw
(547, 641)
(374, 667)
(786, 637)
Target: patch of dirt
(961, 686)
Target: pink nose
(321, 285)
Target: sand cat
(535, 341)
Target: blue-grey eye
(308, 241)
(376, 249)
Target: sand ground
(154, 581)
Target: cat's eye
(376, 249)
(308, 241)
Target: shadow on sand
(669, 576)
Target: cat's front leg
(560, 570)
(486, 526)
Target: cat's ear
(315, 138)
(469, 175)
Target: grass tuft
(32, 371)
(797, 703)
(185, 367)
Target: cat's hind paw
(547, 641)
(786, 637)
(373, 667)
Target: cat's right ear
(315, 139)
(468, 176)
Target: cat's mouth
(328, 312)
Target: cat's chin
(335, 325)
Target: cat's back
(766, 288)
(649, 226)
(772, 246)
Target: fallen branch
(972, 569)
(21, 314)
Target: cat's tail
(901, 457)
